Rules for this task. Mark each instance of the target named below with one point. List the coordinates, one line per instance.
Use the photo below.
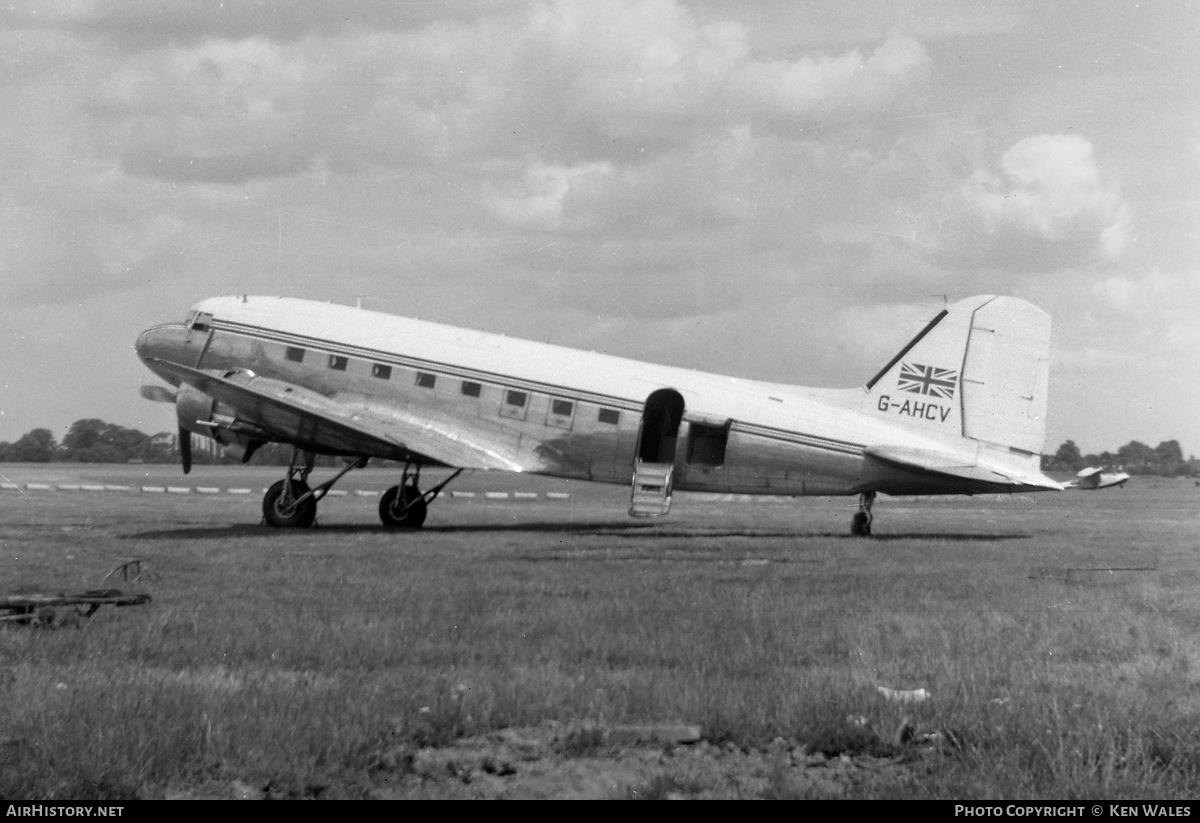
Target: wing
(341, 425)
(975, 474)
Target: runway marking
(208, 490)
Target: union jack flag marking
(928, 380)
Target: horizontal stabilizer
(1006, 474)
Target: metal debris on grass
(39, 609)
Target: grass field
(1056, 633)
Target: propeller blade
(185, 449)
(159, 394)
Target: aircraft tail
(980, 369)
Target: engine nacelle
(194, 408)
(200, 414)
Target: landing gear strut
(860, 525)
(404, 506)
(289, 503)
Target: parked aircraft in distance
(960, 409)
(1094, 477)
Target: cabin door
(654, 464)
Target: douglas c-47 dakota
(959, 410)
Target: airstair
(651, 495)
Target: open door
(654, 464)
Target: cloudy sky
(768, 188)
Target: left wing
(342, 425)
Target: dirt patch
(560, 761)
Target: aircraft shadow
(650, 531)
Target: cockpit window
(198, 320)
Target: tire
(392, 511)
(860, 525)
(297, 516)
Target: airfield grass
(299, 658)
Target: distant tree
(37, 446)
(94, 441)
(1170, 458)
(1067, 457)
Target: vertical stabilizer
(980, 369)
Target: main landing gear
(290, 503)
(860, 525)
(404, 506)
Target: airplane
(960, 409)
(1095, 477)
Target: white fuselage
(550, 409)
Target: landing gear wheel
(860, 526)
(402, 507)
(289, 514)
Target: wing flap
(351, 425)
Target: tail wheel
(860, 525)
(288, 513)
(402, 507)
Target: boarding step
(651, 495)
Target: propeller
(159, 394)
(185, 449)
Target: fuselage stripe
(555, 390)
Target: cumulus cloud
(1157, 308)
(834, 87)
(146, 24)
(1048, 206)
(537, 200)
(563, 84)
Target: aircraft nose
(145, 344)
(160, 342)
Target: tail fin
(980, 369)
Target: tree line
(1166, 459)
(95, 441)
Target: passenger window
(337, 362)
(560, 414)
(611, 416)
(470, 388)
(381, 371)
(426, 380)
(295, 355)
(515, 403)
